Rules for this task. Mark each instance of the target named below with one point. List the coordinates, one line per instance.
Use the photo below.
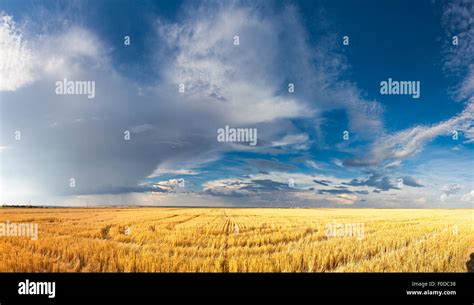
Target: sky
(305, 77)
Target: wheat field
(237, 240)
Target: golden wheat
(236, 240)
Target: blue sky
(399, 150)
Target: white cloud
(16, 60)
(449, 189)
(64, 54)
(187, 167)
(313, 164)
(237, 81)
(468, 197)
(161, 171)
(343, 198)
(421, 200)
(68, 53)
(392, 149)
(4, 148)
(293, 139)
(443, 197)
(337, 162)
(171, 185)
(247, 84)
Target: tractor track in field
(225, 263)
(174, 224)
(229, 227)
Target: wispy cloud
(391, 150)
(17, 58)
(457, 21)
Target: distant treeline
(23, 206)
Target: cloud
(410, 181)
(457, 21)
(421, 200)
(267, 185)
(450, 189)
(162, 171)
(247, 83)
(226, 187)
(338, 162)
(4, 148)
(334, 191)
(344, 199)
(244, 186)
(468, 197)
(380, 182)
(322, 182)
(278, 180)
(291, 140)
(239, 81)
(17, 58)
(92, 149)
(274, 188)
(127, 189)
(177, 166)
(171, 185)
(58, 55)
(314, 164)
(172, 133)
(383, 183)
(142, 128)
(391, 150)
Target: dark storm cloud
(334, 191)
(342, 191)
(267, 185)
(380, 182)
(122, 190)
(410, 181)
(322, 182)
